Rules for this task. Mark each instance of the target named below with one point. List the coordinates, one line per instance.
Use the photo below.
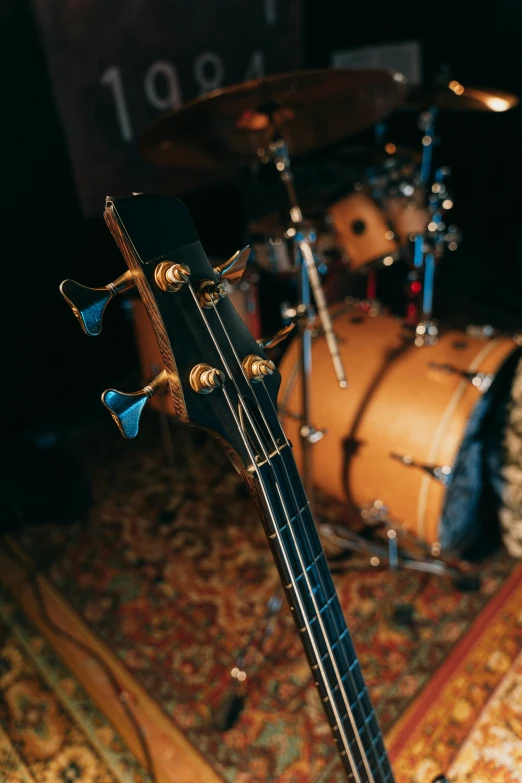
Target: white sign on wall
(116, 66)
(403, 57)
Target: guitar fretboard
(313, 598)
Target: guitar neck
(313, 600)
(220, 379)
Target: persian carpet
(468, 719)
(50, 730)
(173, 573)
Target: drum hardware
(347, 540)
(487, 332)
(303, 238)
(371, 307)
(441, 473)
(429, 247)
(427, 125)
(309, 282)
(484, 331)
(430, 99)
(480, 380)
(375, 516)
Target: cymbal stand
(429, 246)
(426, 330)
(309, 283)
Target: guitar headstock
(217, 374)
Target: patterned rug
(468, 719)
(173, 572)
(50, 731)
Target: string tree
(209, 293)
(126, 407)
(88, 304)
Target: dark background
(53, 374)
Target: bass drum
(409, 429)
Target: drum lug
(374, 514)
(480, 380)
(311, 434)
(441, 473)
(482, 331)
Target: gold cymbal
(215, 135)
(456, 97)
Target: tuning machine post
(171, 277)
(204, 379)
(88, 304)
(231, 271)
(126, 407)
(256, 368)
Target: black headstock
(217, 374)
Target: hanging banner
(116, 66)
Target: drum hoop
(427, 481)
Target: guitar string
(333, 703)
(335, 708)
(374, 751)
(367, 730)
(384, 773)
(338, 631)
(277, 532)
(300, 602)
(289, 568)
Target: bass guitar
(220, 378)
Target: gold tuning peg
(232, 270)
(257, 368)
(88, 304)
(278, 337)
(126, 408)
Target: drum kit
(383, 411)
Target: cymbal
(215, 135)
(456, 97)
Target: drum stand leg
(309, 282)
(397, 558)
(308, 434)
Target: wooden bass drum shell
(395, 403)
